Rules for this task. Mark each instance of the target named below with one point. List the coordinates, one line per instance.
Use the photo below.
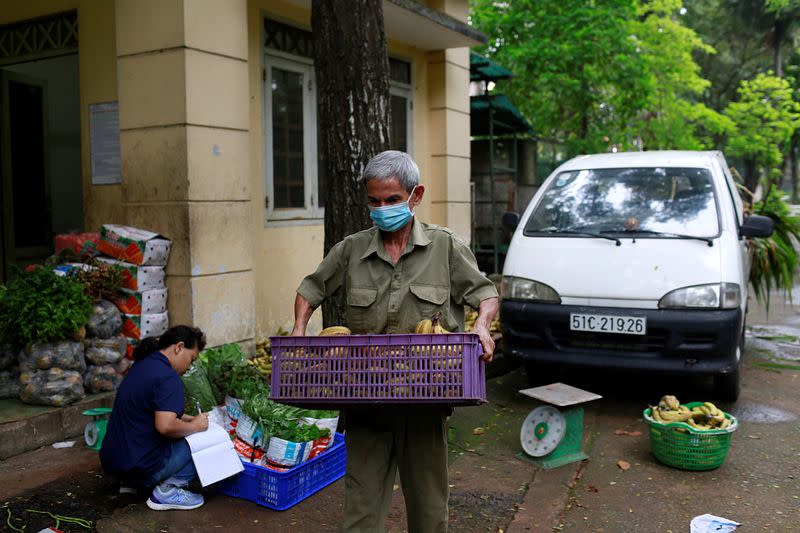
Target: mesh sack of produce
(105, 351)
(9, 385)
(66, 355)
(8, 357)
(103, 378)
(197, 390)
(55, 387)
(105, 322)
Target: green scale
(552, 437)
(95, 430)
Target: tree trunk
(750, 174)
(352, 72)
(793, 165)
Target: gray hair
(392, 164)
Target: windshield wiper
(664, 234)
(580, 232)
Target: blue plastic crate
(281, 490)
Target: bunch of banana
(669, 410)
(431, 325)
(708, 416)
(333, 331)
(263, 364)
(472, 316)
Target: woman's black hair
(191, 337)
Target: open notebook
(213, 455)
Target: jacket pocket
(361, 309)
(427, 301)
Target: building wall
(98, 83)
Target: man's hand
(302, 314)
(486, 313)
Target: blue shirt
(132, 447)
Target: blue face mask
(392, 217)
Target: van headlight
(514, 288)
(711, 296)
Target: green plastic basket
(679, 445)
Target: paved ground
(493, 490)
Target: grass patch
(772, 365)
(778, 338)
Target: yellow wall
(284, 255)
(97, 63)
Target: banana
(334, 330)
(725, 423)
(656, 414)
(670, 401)
(704, 408)
(424, 327)
(675, 416)
(713, 410)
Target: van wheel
(728, 386)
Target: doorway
(40, 158)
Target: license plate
(630, 325)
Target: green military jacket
(436, 273)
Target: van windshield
(649, 202)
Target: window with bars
(294, 167)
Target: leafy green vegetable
(197, 390)
(40, 306)
(219, 363)
(282, 421)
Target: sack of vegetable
(105, 321)
(9, 384)
(55, 387)
(249, 453)
(105, 351)
(234, 407)
(102, 378)
(251, 431)
(66, 355)
(197, 390)
(8, 357)
(324, 420)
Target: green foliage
(578, 76)
(672, 116)
(775, 259)
(220, 363)
(764, 118)
(281, 421)
(40, 306)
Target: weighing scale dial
(91, 433)
(542, 431)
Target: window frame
(310, 212)
(405, 91)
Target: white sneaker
(173, 498)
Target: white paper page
(205, 439)
(216, 463)
(213, 455)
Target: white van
(632, 261)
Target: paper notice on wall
(104, 143)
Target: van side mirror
(756, 226)
(510, 221)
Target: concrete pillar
(448, 124)
(185, 149)
(448, 77)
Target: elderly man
(393, 275)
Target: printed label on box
(134, 245)
(141, 303)
(141, 326)
(137, 277)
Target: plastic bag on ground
(708, 523)
(66, 355)
(105, 322)
(102, 378)
(197, 390)
(55, 387)
(9, 385)
(105, 351)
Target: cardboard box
(137, 277)
(141, 303)
(140, 326)
(134, 245)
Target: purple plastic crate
(281, 490)
(387, 369)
